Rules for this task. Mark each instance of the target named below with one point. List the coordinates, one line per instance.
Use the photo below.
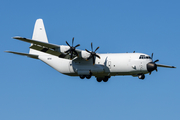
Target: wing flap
(24, 54)
(49, 51)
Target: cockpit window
(144, 57)
(147, 57)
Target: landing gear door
(141, 66)
(71, 67)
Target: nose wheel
(141, 76)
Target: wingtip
(16, 37)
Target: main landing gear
(105, 79)
(85, 76)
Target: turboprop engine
(85, 54)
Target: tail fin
(39, 34)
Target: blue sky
(29, 89)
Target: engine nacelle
(85, 54)
(62, 48)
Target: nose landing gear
(141, 76)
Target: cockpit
(144, 57)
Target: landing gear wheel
(82, 76)
(141, 76)
(88, 76)
(105, 79)
(99, 79)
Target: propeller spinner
(151, 66)
(72, 49)
(92, 54)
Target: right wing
(49, 48)
(35, 42)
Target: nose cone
(151, 66)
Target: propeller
(92, 54)
(151, 66)
(72, 49)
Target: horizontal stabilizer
(24, 54)
(48, 45)
(159, 65)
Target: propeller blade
(76, 53)
(71, 55)
(93, 60)
(88, 51)
(96, 49)
(98, 56)
(72, 41)
(68, 44)
(89, 57)
(156, 60)
(91, 46)
(77, 45)
(67, 51)
(152, 56)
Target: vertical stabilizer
(39, 34)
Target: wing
(24, 54)
(159, 65)
(48, 45)
(49, 48)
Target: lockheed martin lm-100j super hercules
(84, 63)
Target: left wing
(24, 54)
(159, 65)
(49, 48)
